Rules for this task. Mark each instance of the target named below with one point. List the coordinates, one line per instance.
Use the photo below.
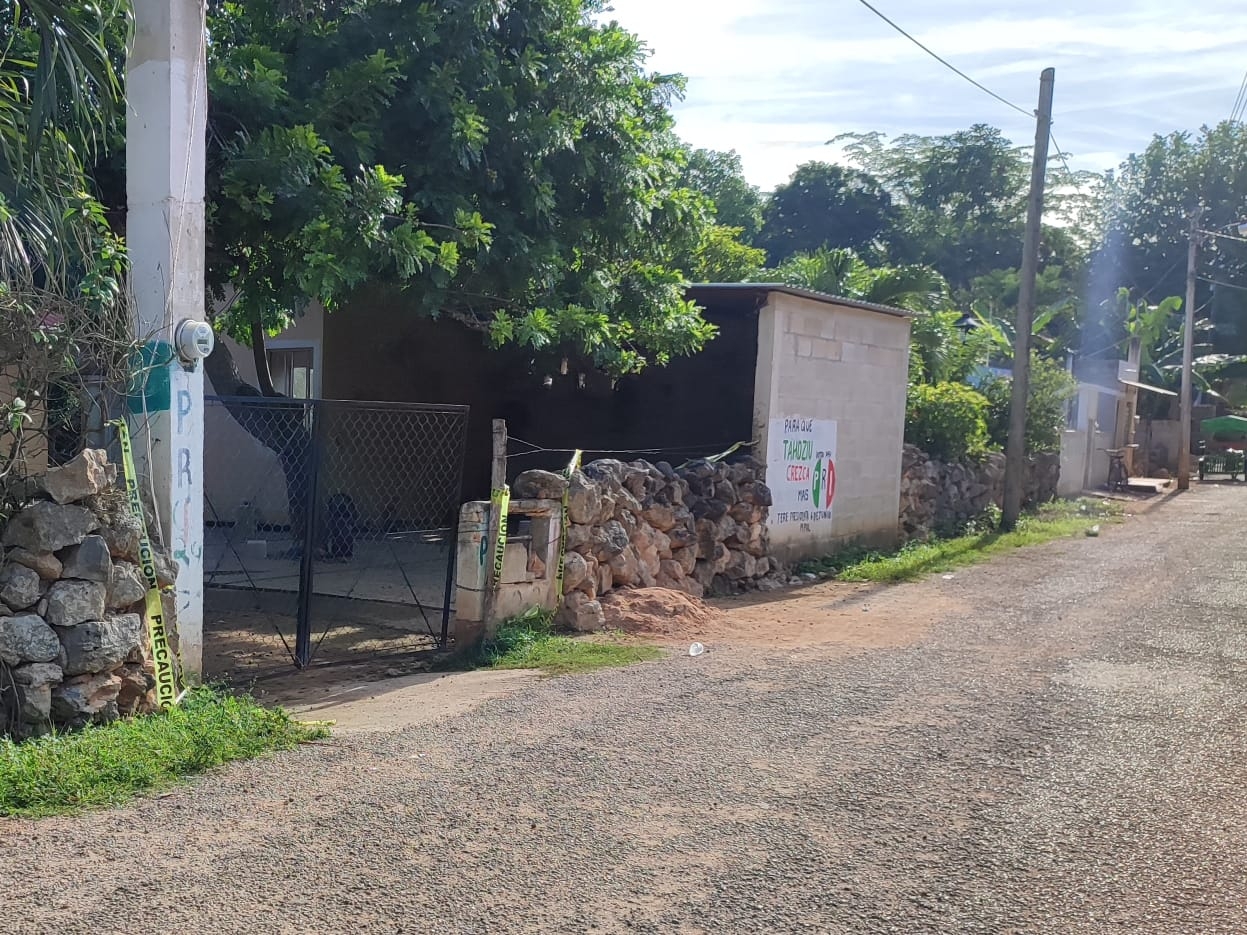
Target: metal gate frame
(311, 460)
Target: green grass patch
(1057, 520)
(108, 764)
(530, 642)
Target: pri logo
(824, 483)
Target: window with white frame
(293, 371)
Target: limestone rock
(27, 638)
(89, 561)
(660, 516)
(539, 485)
(166, 569)
(36, 681)
(20, 587)
(49, 527)
(605, 579)
(609, 540)
(687, 559)
(625, 568)
(584, 501)
(126, 587)
(581, 614)
(575, 571)
(74, 602)
(122, 535)
(102, 645)
(85, 476)
(46, 565)
(741, 565)
(134, 696)
(86, 698)
(579, 538)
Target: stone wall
(700, 529)
(72, 638)
(941, 497)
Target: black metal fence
(330, 530)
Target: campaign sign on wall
(801, 470)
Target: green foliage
(721, 256)
(1145, 244)
(844, 273)
(512, 167)
(529, 642)
(947, 420)
(942, 351)
(1050, 389)
(961, 201)
(721, 178)
(106, 765)
(825, 205)
(1058, 520)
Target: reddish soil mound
(659, 611)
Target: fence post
(497, 523)
(307, 557)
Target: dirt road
(1055, 742)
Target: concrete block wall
(847, 365)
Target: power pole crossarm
(1015, 454)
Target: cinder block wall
(849, 366)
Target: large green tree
(824, 205)
(1150, 201)
(962, 201)
(721, 178)
(511, 164)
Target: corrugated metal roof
(736, 288)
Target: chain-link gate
(330, 530)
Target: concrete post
(166, 104)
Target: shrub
(947, 420)
(1051, 388)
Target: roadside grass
(530, 642)
(1057, 520)
(108, 764)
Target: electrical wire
(947, 64)
(1240, 102)
(1218, 282)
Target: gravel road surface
(1057, 745)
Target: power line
(947, 64)
(1218, 282)
(1240, 102)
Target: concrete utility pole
(166, 108)
(1188, 346)
(1015, 454)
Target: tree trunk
(259, 351)
(279, 425)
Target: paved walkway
(1056, 742)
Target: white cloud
(774, 80)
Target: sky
(776, 79)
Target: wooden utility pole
(1015, 454)
(1188, 353)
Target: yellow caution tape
(572, 467)
(500, 503)
(163, 659)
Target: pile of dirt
(658, 611)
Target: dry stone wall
(698, 529)
(72, 638)
(938, 496)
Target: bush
(1051, 388)
(947, 420)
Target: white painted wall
(166, 111)
(237, 468)
(826, 363)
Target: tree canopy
(512, 166)
(824, 205)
